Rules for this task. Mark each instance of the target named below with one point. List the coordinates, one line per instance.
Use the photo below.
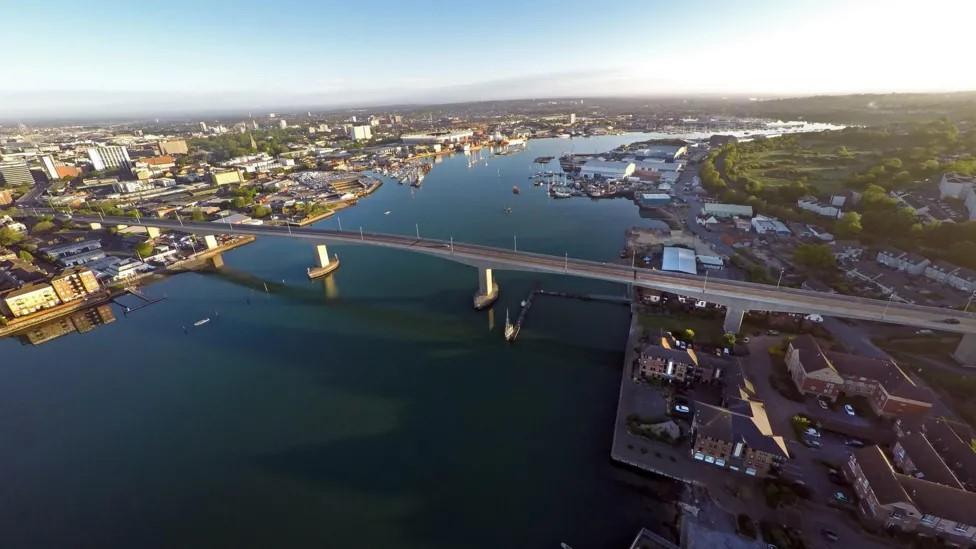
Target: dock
(134, 291)
(512, 330)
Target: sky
(70, 58)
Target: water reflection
(80, 322)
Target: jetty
(512, 330)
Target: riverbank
(338, 207)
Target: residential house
(947, 274)
(665, 363)
(811, 204)
(888, 389)
(892, 500)
(75, 283)
(953, 185)
(738, 440)
(912, 264)
(30, 298)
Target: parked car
(951, 321)
(829, 535)
(682, 409)
(841, 497)
(823, 404)
(772, 332)
(849, 410)
(811, 432)
(855, 443)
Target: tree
(26, 256)
(728, 339)
(688, 334)
(9, 236)
(815, 256)
(261, 211)
(144, 249)
(42, 227)
(238, 202)
(849, 225)
(197, 214)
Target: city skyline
(301, 54)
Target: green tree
(261, 211)
(197, 214)
(688, 334)
(815, 256)
(238, 202)
(42, 227)
(9, 236)
(144, 249)
(26, 256)
(849, 225)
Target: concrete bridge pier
(487, 289)
(733, 318)
(965, 353)
(211, 241)
(217, 260)
(325, 265)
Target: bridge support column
(965, 353)
(211, 241)
(217, 260)
(733, 318)
(487, 289)
(152, 232)
(324, 264)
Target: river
(374, 408)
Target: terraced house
(893, 500)
(888, 389)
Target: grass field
(815, 160)
(706, 330)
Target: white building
(454, 136)
(680, 260)
(283, 124)
(726, 210)
(103, 158)
(811, 204)
(50, 168)
(952, 276)
(903, 261)
(572, 118)
(953, 185)
(15, 172)
(359, 133)
(607, 169)
(769, 225)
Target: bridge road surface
(732, 293)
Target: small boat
(387, 212)
(201, 322)
(515, 190)
(508, 210)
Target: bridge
(737, 296)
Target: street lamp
(780, 280)
(887, 304)
(705, 285)
(515, 243)
(969, 301)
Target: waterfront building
(360, 133)
(433, 138)
(103, 158)
(126, 268)
(888, 389)
(740, 441)
(30, 298)
(572, 118)
(75, 283)
(665, 363)
(669, 153)
(173, 146)
(680, 260)
(607, 169)
(653, 200)
(15, 173)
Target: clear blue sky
(67, 54)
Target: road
(733, 293)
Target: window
(720, 462)
(929, 519)
(699, 456)
(961, 528)
(709, 459)
(751, 471)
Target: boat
(510, 332)
(201, 322)
(561, 194)
(387, 212)
(515, 190)
(508, 210)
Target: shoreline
(112, 291)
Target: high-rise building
(203, 126)
(50, 168)
(103, 158)
(572, 118)
(282, 123)
(15, 172)
(357, 133)
(75, 283)
(175, 146)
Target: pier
(512, 330)
(134, 291)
